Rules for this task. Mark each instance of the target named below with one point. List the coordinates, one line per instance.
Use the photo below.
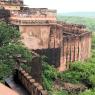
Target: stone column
(63, 47)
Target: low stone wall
(30, 84)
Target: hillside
(80, 14)
(89, 22)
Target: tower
(34, 24)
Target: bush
(8, 34)
(9, 47)
(49, 74)
(47, 83)
(70, 76)
(88, 92)
(13, 49)
(5, 71)
(92, 80)
(49, 71)
(61, 92)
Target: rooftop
(4, 90)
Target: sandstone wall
(61, 49)
(35, 37)
(75, 48)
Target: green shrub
(5, 71)
(49, 73)
(61, 92)
(9, 47)
(8, 34)
(71, 76)
(92, 80)
(88, 92)
(47, 83)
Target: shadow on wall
(52, 54)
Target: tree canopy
(8, 34)
(10, 45)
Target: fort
(40, 31)
(43, 34)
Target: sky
(63, 5)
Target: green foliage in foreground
(9, 47)
(49, 74)
(79, 72)
(8, 34)
(56, 92)
(8, 51)
(7, 62)
(88, 92)
(5, 71)
(85, 73)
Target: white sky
(63, 5)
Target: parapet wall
(30, 84)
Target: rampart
(30, 84)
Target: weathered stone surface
(62, 43)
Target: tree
(10, 45)
(8, 34)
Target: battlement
(21, 15)
(33, 16)
(11, 2)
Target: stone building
(40, 31)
